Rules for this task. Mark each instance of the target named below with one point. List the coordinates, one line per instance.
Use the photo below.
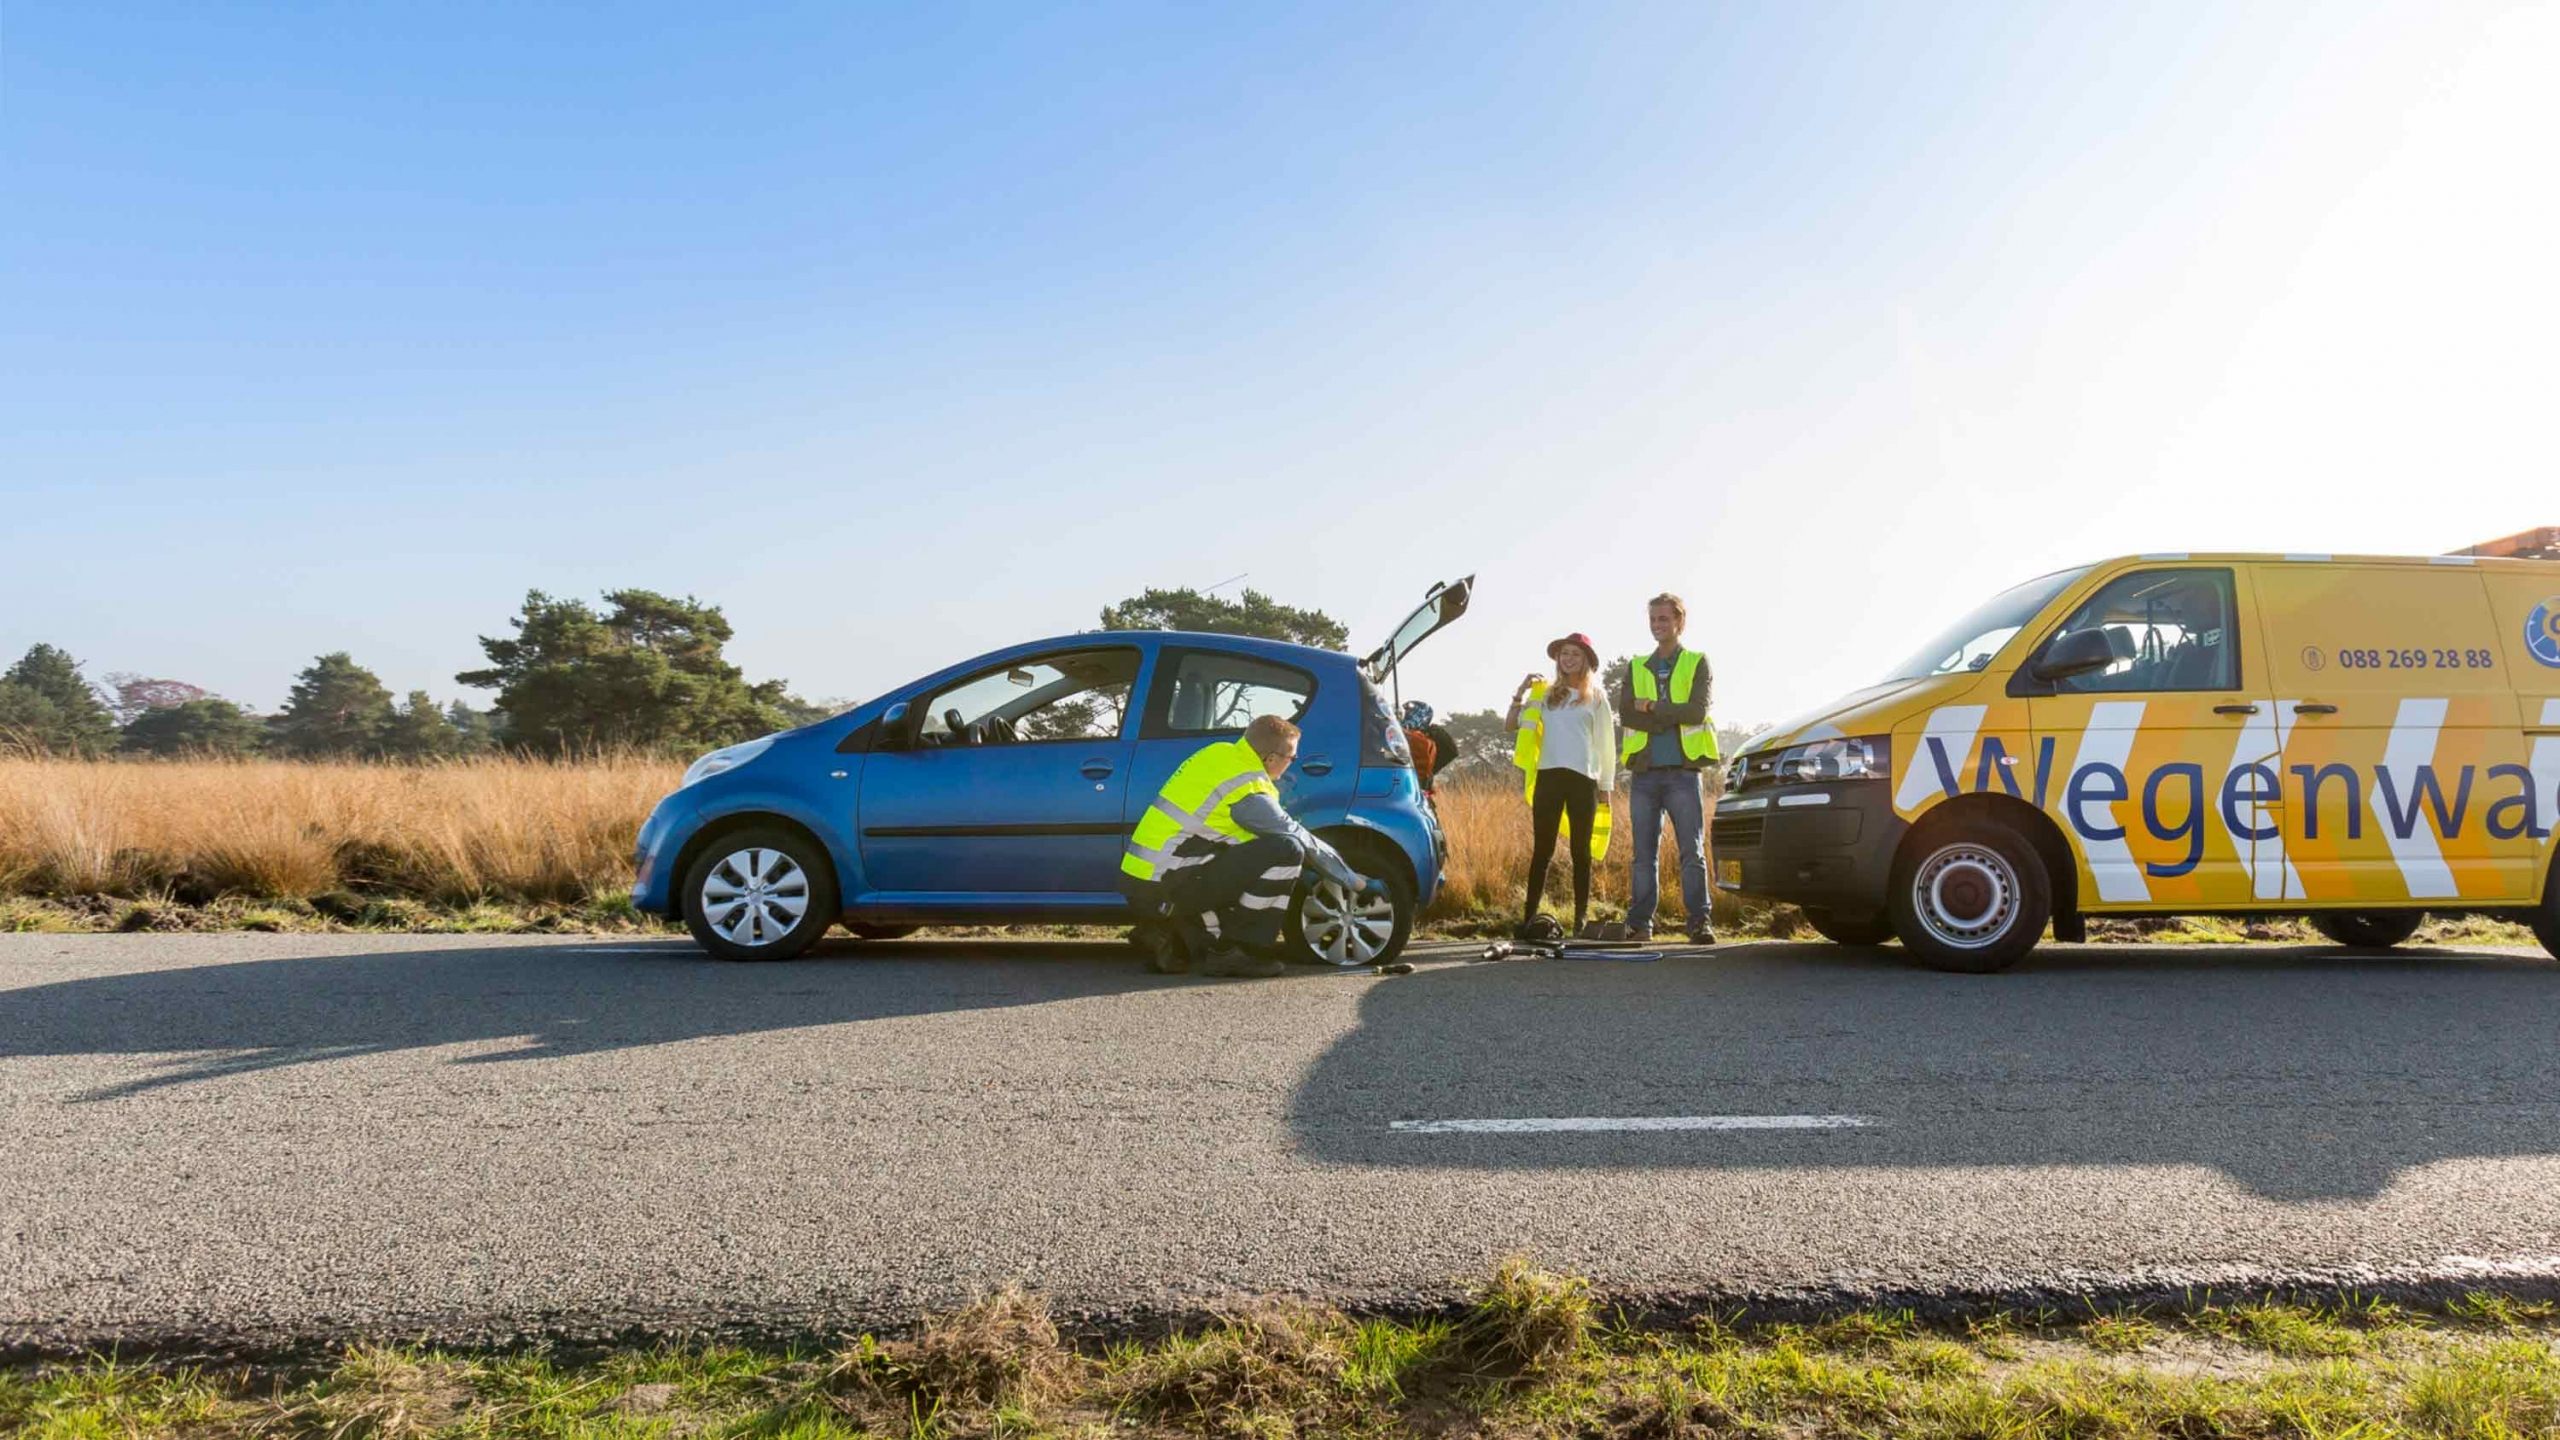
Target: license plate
(1729, 872)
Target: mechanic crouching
(1217, 857)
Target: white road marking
(1589, 1123)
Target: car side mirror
(894, 733)
(2076, 652)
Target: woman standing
(1569, 726)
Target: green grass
(1530, 1356)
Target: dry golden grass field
(465, 832)
(504, 843)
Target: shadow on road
(557, 1000)
(2305, 1073)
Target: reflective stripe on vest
(1525, 745)
(1195, 804)
(1698, 742)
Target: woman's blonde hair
(1583, 692)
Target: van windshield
(1970, 643)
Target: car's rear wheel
(1331, 926)
(2368, 929)
(1841, 931)
(760, 895)
(1971, 895)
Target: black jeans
(1576, 797)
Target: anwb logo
(2542, 632)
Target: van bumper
(1824, 847)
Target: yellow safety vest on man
(1195, 806)
(1525, 745)
(1698, 742)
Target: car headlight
(1862, 757)
(721, 761)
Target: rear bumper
(1823, 846)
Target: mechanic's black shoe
(1164, 951)
(1230, 961)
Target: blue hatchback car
(1001, 789)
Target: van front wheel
(1971, 896)
(2367, 929)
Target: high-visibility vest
(1698, 742)
(1196, 803)
(1525, 744)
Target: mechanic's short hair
(1269, 734)
(1679, 607)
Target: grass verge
(1531, 1354)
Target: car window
(1076, 695)
(1214, 693)
(2168, 629)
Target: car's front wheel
(1971, 895)
(1332, 926)
(760, 895)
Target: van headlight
(720, 762)
(1862, 757)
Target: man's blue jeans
(1680, 794)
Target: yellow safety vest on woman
(1190, 820)
(1698, 742)
(1525, 744)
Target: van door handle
(1316, 766)
(2235, 709)
(1096, 769)
(2313, 707)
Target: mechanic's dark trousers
(1237, 899)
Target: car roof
(2484, 562)
(1202, 639)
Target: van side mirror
(894, 732)
(2076, 652)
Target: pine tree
(54, 710)
(419, 731)
(337, 709)
(206, 726)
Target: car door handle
(1096, 769)
(2313, 707)
(2235, 709)
(1316, 766)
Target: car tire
(762, 894)
(1841, 931)
(2546, 921)
(1970, 895)
(2368, 929)
(1326, 927)
(867, 931)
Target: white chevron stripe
(2412, 744)
(2113, 727)
(1953, 726)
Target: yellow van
(2358, 740)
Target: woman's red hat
(1589, 651)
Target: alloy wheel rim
(1967, 895)
(755, 897)
(1343, 929)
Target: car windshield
(1970, 643)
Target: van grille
(1738, 831)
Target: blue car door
(1201, 694)
(1014, 783)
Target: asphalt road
(254, 1140)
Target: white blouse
(1581, 737)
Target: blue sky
(904, 333)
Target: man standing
(1218, 856)
(1669, 742)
